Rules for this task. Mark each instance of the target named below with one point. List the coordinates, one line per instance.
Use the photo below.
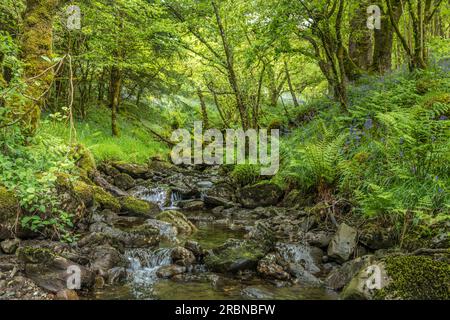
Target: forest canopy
(359, 91)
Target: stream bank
(163, 232)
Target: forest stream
(142, 281)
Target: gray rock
(362, 286)
(134, 237)
(167, 272)
(319, 239)
(269, 269)
(191, 205)
(105, 258)
(10, 246)
(343, 243)
(50, 271)
(302, 275)
(116, 275)
(213, 201)
(134, 170)
(182, 257)
(309, 258)
(340, 277)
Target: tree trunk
(360, 47)
(230, 69)
(116, 83)
(37, 42)
(203, 108)
(382, 55)
(291, 88)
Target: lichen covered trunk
(36, 43)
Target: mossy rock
(85, 192)
(9, 205)
(160, 166)
(135, 171)
(416, 277)
(84, 159)
(235, 255)
(138, 207)
(262, 194)
(178, 220)
(105, 200)
(124, 181)
(402, 277)
(35, 255)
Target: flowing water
(143, 283)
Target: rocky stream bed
(163, 232)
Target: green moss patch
(416, 277)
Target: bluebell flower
(369, 124)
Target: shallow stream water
(198, 283)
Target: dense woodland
(363, 112)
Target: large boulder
(234, 255)
(260, 195)
(178, 220)
(343, 243)
(138, 207)
(9, 206)
(404, 277)
(50, 271)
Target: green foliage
(245, 174)
(135, 145)
(31, 173)
(392, 156)
(315, 164)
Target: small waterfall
(175, 196)
(143, 264)
(163, 197)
